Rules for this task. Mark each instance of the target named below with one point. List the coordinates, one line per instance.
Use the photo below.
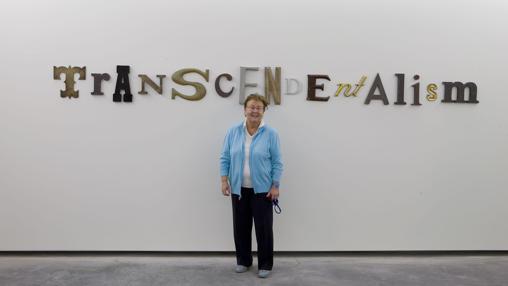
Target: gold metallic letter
(272, 86)
(177, 77)
(146, 79)
(341, 86)
(69, 79)
(431, 89)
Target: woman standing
(250, 169)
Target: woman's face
(254, 111)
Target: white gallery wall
(88, 173)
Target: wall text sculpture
(452, 92)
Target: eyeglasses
(255, 108)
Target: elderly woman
(250, 169)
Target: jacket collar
(260, 125)
(260, 128)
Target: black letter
(416, 91)
(217, 85)
(97, 82)
(312, 86)
(382, 96)
(400, 89)
(460, 92)
(122, 83)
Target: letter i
(416, 91)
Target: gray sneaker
(263, 273)
(241, 268)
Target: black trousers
(257, 207)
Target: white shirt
(246, 181)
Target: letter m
(460, 88)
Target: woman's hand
(273, 194)
(226, 189)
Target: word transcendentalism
(453, 92)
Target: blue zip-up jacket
(264, 162)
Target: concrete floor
(361, 270)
